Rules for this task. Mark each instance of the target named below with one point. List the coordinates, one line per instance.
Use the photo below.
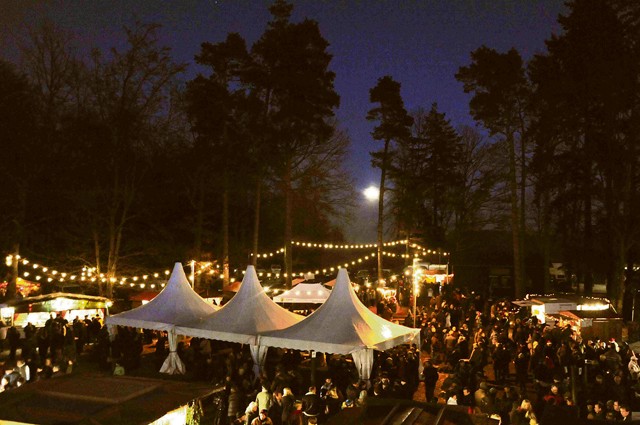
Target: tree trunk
(12, 285)
(288, 226)
(225, 235)
(198, 230)
(256, 225)
(588, 242)
(383, 175)
(546, 242)
(523, 207)
(515, 219)
(96, 251)
(616, 276)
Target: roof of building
(97, 399)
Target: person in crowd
(482, 399)
(275, 409)
(234, 402)
(11, 377)
(262, 419)
(264, 398)
(598, 411)
(625, 413)
(251, 413)
(23, 369)
(523, 414)
(118, 369)
(13, 336)
(288, 406)
(312, 405)
(162, 350)
(431, 376)
(331, 396)
(554, 394)
(453, 399)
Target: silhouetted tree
(501, 93)
(394, 125)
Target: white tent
(343, 325)
(249, 313)
(304, 293)
(177, 303)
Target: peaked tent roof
(309, 293)
(341, 325)
(177, 303)
(249, 313)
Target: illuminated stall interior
(37, 310)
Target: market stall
(594, 324)
(37, 310)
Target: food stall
(594, 324)
(19, 312)
(545, 306)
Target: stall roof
(313, 293)
(565, 298)
(551, 299)
(56, 295)
(144, 296)
(590, 314)
(97, 399)
(522, 303)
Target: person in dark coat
(275, 408)
(288, 402)
(13, 335)
(431, 376)
(312, 405)
(161, 351)
(233, 403)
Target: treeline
(560, 163)
(115, 161)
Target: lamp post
(416, 281)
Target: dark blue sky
(421, 44)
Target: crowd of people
(539, 372)
(472, 354)
(44, 352)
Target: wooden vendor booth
(37, 310)
(594, 324)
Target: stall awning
(590, 314)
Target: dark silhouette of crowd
(44, 352)
(476, 353)
(501, 362)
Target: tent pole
(313, 367)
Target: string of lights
(41, 273)
(332, 246)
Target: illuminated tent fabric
(304, 293)
(343, 325)
(177, 303)
(247, 314)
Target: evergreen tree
(394, 125)
(501, 93)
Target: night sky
(421, 44)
